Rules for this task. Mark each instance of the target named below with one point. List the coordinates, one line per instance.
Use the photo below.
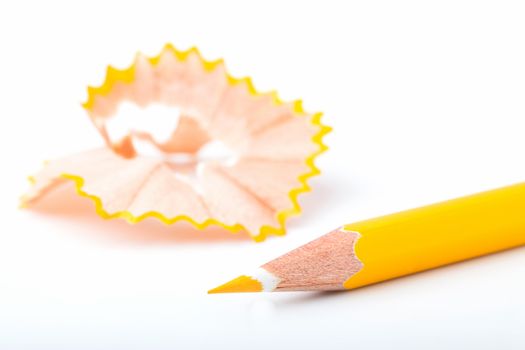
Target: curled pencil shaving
(274, 145)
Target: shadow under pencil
(299, 299)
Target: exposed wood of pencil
(400, 244)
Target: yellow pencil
(391, 246)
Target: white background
(427, 101)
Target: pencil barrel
(436, 235)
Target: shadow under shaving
(300, 299)
(64, 202)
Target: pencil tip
(241, 284)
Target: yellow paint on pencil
(439, 234)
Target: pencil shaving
(274, 145)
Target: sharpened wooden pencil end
(241, 284)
